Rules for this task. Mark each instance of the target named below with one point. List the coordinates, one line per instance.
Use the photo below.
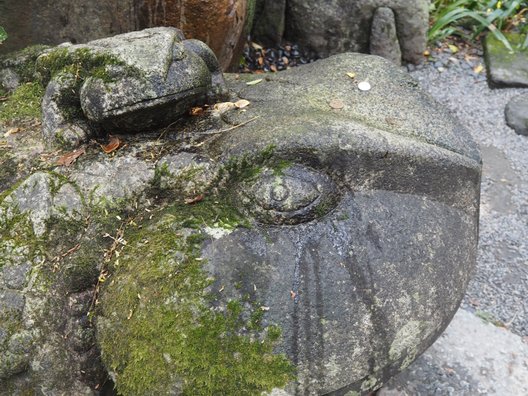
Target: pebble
(258, 59)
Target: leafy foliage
(469, 18)
(3, 35)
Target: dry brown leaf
(336, 104)
(196, 111)
(223, 107)
(240, 104)
(112, 145)
(12, 131)
(70, 158)
(192, 201)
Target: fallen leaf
(478, 68)
(336, 104)
(273, 68)
(192, 201)
(196, 111)
(112, 145)
(224, 106)
(364, 86)
(256, 46)
(12, 131)
(453, 48)
(351, 75)
(70, 158)
(240, 104)
(254, 82)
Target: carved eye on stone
(293, 195)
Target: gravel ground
(499, 289)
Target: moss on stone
(161, 331)
(81, 63)
(24, 102)
(8, 170)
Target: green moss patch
(24, 102)
(81, 63)
(162, 330)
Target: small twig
(226, 130)
(117, 240)
(236, 126)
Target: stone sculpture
(383, 27)
(131, 82)
(315, 242)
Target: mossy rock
(506, 68)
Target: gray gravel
(499, 289)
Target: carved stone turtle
(131, 82)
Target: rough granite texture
(384, 37)
(333, 27)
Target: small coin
(364, 86)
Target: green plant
(469, 18)
(3, 35)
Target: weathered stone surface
(335, 27)
(384, 38)
(506, 69)
(516, 113)
(222, 25)
(287, 235)
(269, 23)
(53, 22)
(149, 79)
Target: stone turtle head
(353, 231)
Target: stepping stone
(506, 69)
(516, 113)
